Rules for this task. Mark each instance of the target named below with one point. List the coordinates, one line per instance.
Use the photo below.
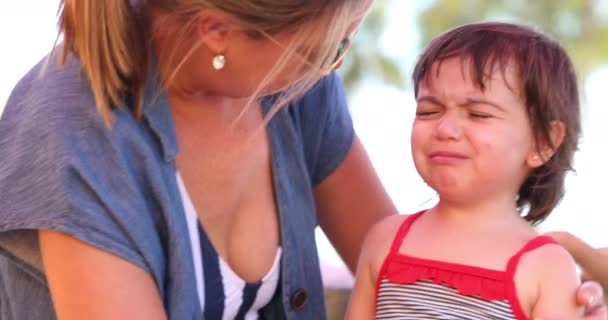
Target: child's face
(467, 143)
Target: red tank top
(415, 288)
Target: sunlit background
(376, 72)
(382, 102)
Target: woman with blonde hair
(172, 158)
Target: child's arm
(594, 262)
(375, 248)
(362, 298)
(557, 281)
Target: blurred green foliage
(581, 26)
(364, 58)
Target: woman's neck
(172, 54)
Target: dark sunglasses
(344, 45)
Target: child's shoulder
(545, 260)
(379, 239)
(549, 254)
(550, 264)
(384, 231)
(546, 277)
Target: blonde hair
(110, 39)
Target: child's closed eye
(479, 115)
(426, 113)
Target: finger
(597, 313)
(590, 295)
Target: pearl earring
(219, 61)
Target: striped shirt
(414, 288)
(425, 299)
(223, 295)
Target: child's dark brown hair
(547, 82)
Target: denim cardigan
(115, 188)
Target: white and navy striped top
(222, 294)
(414, 288)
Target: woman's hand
(590, 295)
(565, 239)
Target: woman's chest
(229, 183)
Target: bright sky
(382, 117)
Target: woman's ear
(214, 29)
(543, 153)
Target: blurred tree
(364, 57)
(581, 26)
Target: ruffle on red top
(470, 281)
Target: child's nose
(448, 127)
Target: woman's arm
(350, 201)
(89, 283)
(598, 271)
(604, 257)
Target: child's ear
(543, 153)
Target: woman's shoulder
(51, 132)
(53, 107)
(51, 102)
(63, 169)
(321, 125)
(324, 95)
(54, 84)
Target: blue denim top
(115, 188)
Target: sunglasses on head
(344, 45)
